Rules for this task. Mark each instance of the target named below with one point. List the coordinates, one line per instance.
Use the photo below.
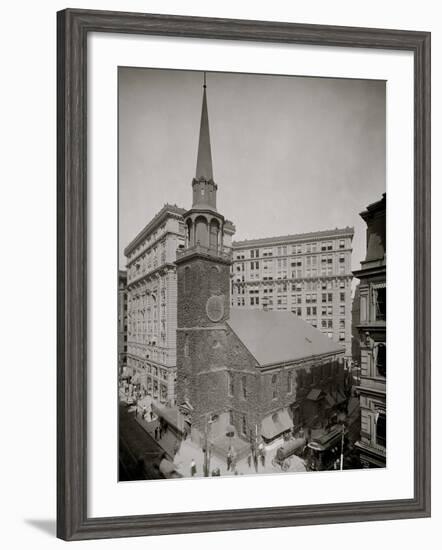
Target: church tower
(203, 280)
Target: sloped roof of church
(279, 336)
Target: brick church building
(242, 375)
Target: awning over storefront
(166, 467)
(276, 424)
(330, 401)
(314, 394)
(169, 414)
(340, 397)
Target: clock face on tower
(215, 308)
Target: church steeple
(207, 232)
(204, 160)
(204, 188)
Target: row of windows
(282, 263)
(243, 391)
(301, 285)
(283, 250)
(326, 311)
(295, 274)
(148, 261)
(149, 369)
(304, 378)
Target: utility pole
(342, 447)
(206, 446)
(206, 457)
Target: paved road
(139, 454)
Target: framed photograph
(222, 274)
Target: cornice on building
(168, 210)
(317, 278)
(375, 209)
(304, 362)
(371, 269)
(295, 239)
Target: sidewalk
(189, 450)
(183, 451)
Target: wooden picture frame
(73, 28)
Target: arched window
(213, 280)
(381, 360)
(202, 232)
(213, 238)
(381, 429)
(189, 242)
(230, 385)
(289, 382)
(274, 386)
(244, 425)
(244, 387)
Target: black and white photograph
(252, 274)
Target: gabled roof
(279, 336)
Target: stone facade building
(242, 374)
(152, 303)
(122, 320)
(308, 274)
(372, 335)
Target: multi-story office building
(152, 303)
(372, 334)
(308, 274)
(122, 320)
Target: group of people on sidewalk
(256, 455)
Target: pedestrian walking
(229, 458)
(249, 460)
(233, 462)
(176, 448)
(263, 457)
(255, 461)
(192, 467)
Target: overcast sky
(290, 154)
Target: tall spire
(204, 159)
